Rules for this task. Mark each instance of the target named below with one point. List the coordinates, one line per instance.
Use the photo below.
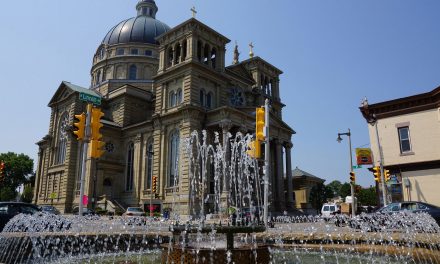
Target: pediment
(66, 89)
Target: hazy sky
(333, 54)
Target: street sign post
(96, 100)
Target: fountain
(208, 235)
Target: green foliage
(345, 190)
(319, 195)
(27, 194)
(18, 169)
(7, 194)
(335, 188)
(367, 196)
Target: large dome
(143, 28)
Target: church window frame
(120, 52)
(202, 97)
(173, 158)
(179, 96)
(208, 103)
(134, 51)
(148, 53)
(63, 125)
(132, 72)
(129, 173)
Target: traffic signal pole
(85, 143)
(266, 160)
(353, 213)
(384, 195)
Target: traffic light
(352, 176)
(259, 123)
(254, 149)
(154, 185)
(96, 144)
(376, 173)
(96, 148)
(81, 125)
(386, 174)
(95, 123)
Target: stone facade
(154, 94)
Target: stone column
(280, 176)
(288, 146)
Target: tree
(17, 171)
(345, 190)
(27, 194)
(367, 196)
(335, 188)
(319, 195)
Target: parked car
(432, 210)
(134, 211)
(49, 209)
(10, 209)
(329, 209)
(86, 211)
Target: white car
(329, 209)
(134, 211)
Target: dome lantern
(146, 8)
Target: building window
(173, 159)
(148, 53)
(134, 52)
(149, 173)
(62, 139)
(404, 140)
(172, 99)
(130, 168)
(208, 100)
(132, 72)
(202, 97)
(120, 52)
(179, 96)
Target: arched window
(206, 55)
(173, 159)
(202, 97)
(209, 100)
(130, 168)
(185, 47)
(199, 50)
(62, 139)
(177, 48)
(149, 172)
(170, 56)
(98, 77)
(179, 96)
(172, 99)
(132, 72)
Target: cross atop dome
(147, 8)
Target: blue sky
(333, 54)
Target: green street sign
(90, 98)
(357, 167)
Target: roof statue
(236, 54)
(251, 52)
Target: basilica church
(158, 84)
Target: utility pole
(266, 160)
(85, 143)
(382, 177)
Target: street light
(339, 139)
